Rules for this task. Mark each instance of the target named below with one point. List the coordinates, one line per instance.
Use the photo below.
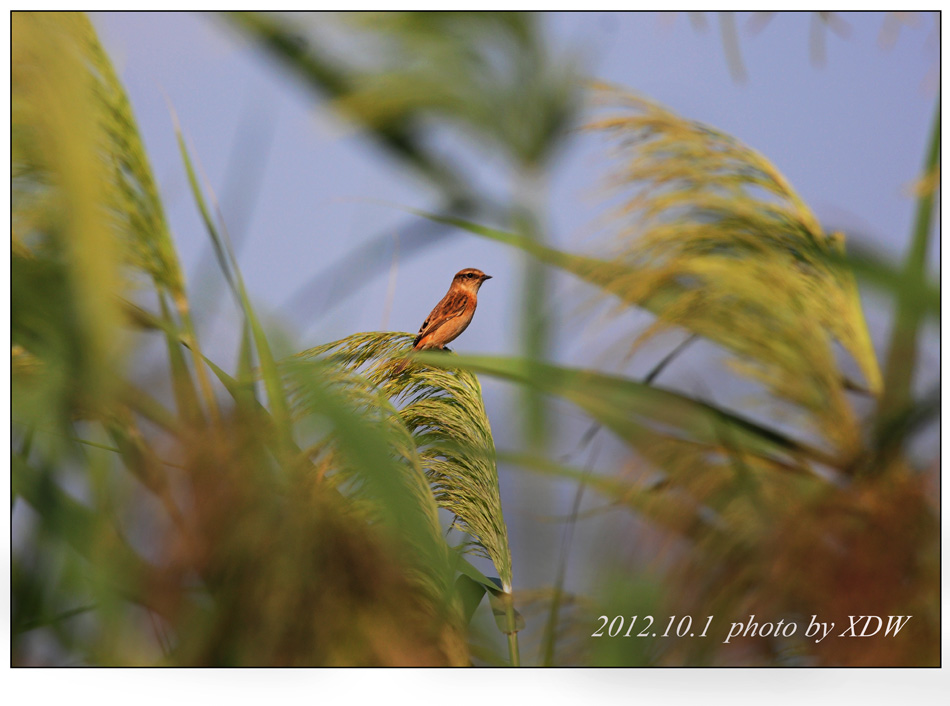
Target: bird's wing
(452, 305)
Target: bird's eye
(469, 275)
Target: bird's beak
(484, 277)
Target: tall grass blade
(444, 413)
(269, 373)
(634, 410)
(60, 189)
(902, 350)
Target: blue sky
(849, 136)
(299, 189)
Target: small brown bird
(450, 316)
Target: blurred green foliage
(287, 512)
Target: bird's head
(470, 279)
